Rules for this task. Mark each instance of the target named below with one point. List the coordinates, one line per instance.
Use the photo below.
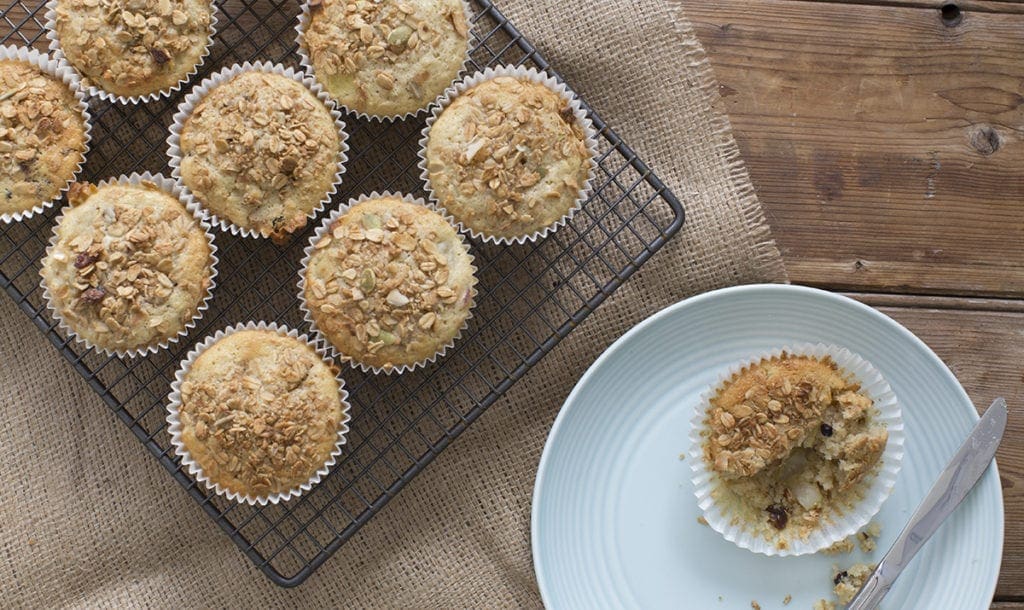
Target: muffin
(792, 442)
(388, 282)
(135, 48)
(258, 413)
(386, 58)
(259, 150)
(129, 268)
(43, 137)
(508, 157)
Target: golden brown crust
(130, 267)
(507, 157)
(133, 47)
(42, 136)
(386, 57)
(390, 283)
(260, 412)
(260, 151)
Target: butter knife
(953, 485)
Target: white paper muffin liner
(307, 65)
(854, 517)
(531, 74)
(322, 339)
(172, 188)
(202, 89)
(50, 25)
(174, 421)
(62, 71)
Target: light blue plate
(614, 515)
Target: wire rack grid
(531, 296)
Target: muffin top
(260, 412)
(390, 283)
(260, 151)
(133, 47)
(130, 266)
(507, 157)
(42, 136)
(765, 411)
(387, 57)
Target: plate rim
(726, 292)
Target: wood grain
(986, 352)
(887, 148)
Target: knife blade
(952, 486)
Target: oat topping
(260, 412)
(390, 283)
(133, 47)
(42, 136)
(131, 265)
(261, 151)
(386, 57)
(507, 157)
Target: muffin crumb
(787, 599)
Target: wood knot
(951, 15)
(985, 139)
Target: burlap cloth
(89, 519)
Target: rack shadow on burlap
(531, 296)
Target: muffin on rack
(129, 268)
(257, 414)
(388, 282)
(43, 136)
(508, 154)
(259, 149)
(132, 49)
(387, 58)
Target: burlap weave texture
(89, 519)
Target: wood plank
(965, 6)
(888, 149)
(985, 349)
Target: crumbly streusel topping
(133, 47)
(130, 266)
(507, 157)
(261, 151)
(42, 136)
(386, 57)
(260, 412)
(392, 280)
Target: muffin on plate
(508, 156)
(257, 414)
(388, 282)
(129, 268)
(132, 49)
(793, 443)
(43, 137)
(386, 58)
(259, 149)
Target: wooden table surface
(885, 139)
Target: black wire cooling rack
(531, 296)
